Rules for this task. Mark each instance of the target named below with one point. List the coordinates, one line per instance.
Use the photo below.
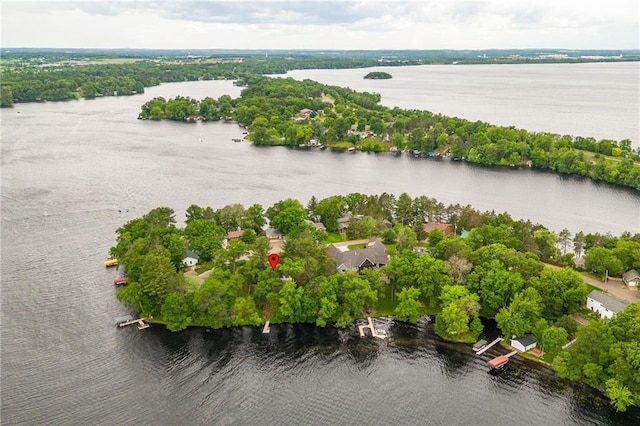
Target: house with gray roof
(373, 255)
(604, 305)
(190, 258)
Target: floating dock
(266, 329)
(380, 334)
(489, 346)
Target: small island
(378, 75)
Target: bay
(73, 172)
(600, 100)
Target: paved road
(614, 287)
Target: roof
(611, 303)
(630, 275)
(190, 253)
(234, 235)
(375, 254)
(498, 361)
(272, 232)
(525, 340)
(446, 228)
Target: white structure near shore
(604, 305)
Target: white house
(190, 258)
(604, 305)
(631, 278)
(524, 343)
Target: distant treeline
(32, 75)
(284, 111)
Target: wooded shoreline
(421, 258)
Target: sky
(329, 24)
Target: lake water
(600, 100)
(73, 172)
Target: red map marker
(273, 260)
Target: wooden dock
(266, 329)
(140, 321)
(374, 332)
(490, 345)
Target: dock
(490, 345)
(140, 321)
(380, 334)
(266, 329)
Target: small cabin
(524, 343)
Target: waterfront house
(318, 225)
(631, 278)
(604, 305)
(373, 255)
(235, 235)
(190, 258)
(446, 228)
(273, 234)
(303, 114)
(343, 222)
(524, 343)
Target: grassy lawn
(345, 145)
(386, 306)
(391, 248)
(204, 267)
(333, 237)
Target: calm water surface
(73, 172)
(601, 100)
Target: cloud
(297, 24)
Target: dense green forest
(493, 271)
(378, 75)
(38, 75)
(284, 111)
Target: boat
(479, 345)
(498, 362)
(120, 281)
(236, 140)
(110, 262)
(352, 149)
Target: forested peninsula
(287, 112)
(40, 75)
(452, 261)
